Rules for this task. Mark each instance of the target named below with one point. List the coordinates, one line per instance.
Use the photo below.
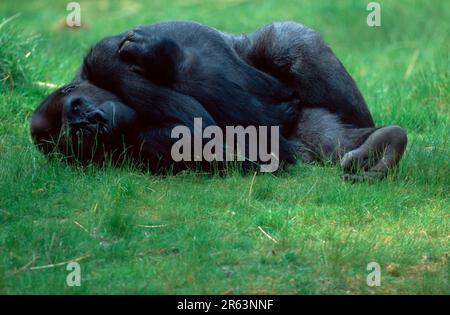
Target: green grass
(327, 230)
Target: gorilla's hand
(154, 57)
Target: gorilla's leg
(297, 56)
(335, 122)
(364, 153)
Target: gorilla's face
(83, 122)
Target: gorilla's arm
(140, 65)
(212, 63)
(155, 104)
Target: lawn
(134, 232)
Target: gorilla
(134, 88)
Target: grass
(210, 241)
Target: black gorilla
(135, 87)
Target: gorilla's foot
(380, 152)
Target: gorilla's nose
(75, 110)
(74, 102)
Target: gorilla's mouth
(84, 134)
(84, 143)
(85, 129)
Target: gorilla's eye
(69, 88)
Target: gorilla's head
(82, 121)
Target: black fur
(165, 74)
